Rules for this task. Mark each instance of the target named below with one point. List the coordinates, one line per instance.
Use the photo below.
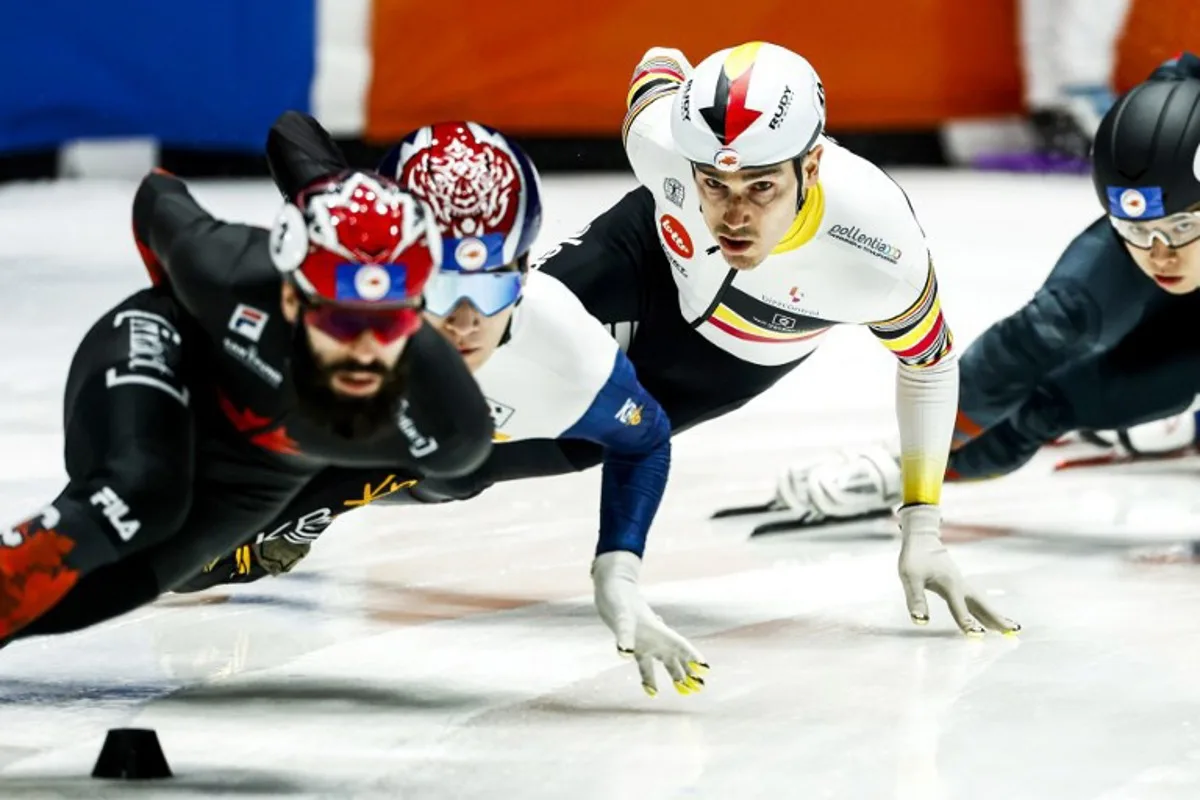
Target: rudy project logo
(248, 321)
(871, 244)
(1144, 202)
(785, 102)
(676, 236)
(630, 413)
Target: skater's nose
(1161, 253)
(463, 318)
(365, 348)
(736, 215)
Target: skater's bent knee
(143, 507)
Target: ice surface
(452, 652)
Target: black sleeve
(300, 151)
(452, 419)
(612, 265)
(196, 254)
(1092, 298)
(1014, 355)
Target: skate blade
(745, 511)
(1120, 459)
(790, 525)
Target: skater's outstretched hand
(925, 564)
(641, 634)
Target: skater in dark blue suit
(1107, 342)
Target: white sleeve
(927, 368)
(646, 129)
(926, 408)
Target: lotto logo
(676, 236)
(248, 321)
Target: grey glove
(279, 555)
(925, 564)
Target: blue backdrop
(203, 73)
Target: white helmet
(748, 106)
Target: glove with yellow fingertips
(641, 634)
(925, 564)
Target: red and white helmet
(482, 187)
(357, 239)
(748, 106)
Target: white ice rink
(452, 653)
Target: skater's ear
(289, 301)
(810, 167)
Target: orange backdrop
(535, 67)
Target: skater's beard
(355, 418)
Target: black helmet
(1146, 157)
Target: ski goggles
(347, 324)
(1174, 231)
(489, 292)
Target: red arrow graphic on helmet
(738, 117)
(728, 116)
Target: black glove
(300, 151)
